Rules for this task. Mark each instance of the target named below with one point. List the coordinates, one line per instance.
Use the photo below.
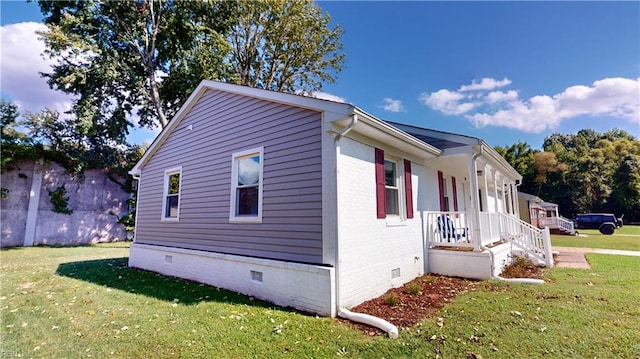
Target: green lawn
(626, 238)
(85, 302)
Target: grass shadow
(115, 273)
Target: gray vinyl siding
(223, 124)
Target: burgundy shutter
(381, 197)
(407, 188)
(455, 194)
(443, 206)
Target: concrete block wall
(27, 216)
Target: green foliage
(585, 172)
(391, 300)
(284, 46)
(414, 288)
(111, 54)
(60, 200)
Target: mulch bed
(423, 297)
(409, 309)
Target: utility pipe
(367, 319)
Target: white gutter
(380, 323)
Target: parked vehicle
(606, 223)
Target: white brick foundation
(305, 287)
(474, 265)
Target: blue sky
(501, 71)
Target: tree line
(583, 172)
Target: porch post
(504, 197)
(495, 189)
(475, 202)
(485, 195)
(515, 194)
(497, 206)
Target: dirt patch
(414, 302)
(522, 268)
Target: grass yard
(85, 302)
(625, 238)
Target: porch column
(515, 195)
(485, 192)
(474, 211)
(504, 197)
(495, 189)
(497, 204)
(485, 195)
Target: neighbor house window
(171, 199)
(246, 186)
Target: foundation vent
(256, 276)
(395, 273)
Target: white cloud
(499, 96)
(21, 62)
(327, 96)
(486, 83)
(610, 97)
(447, 102)
(391, 105)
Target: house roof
(453, 143)
(425, 143)
(530, 197)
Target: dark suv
(606, 223)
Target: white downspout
(380, 323)
(343, 132)
(389, 328)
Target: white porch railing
(558, 223)
(533, 241)
(448, 229)
(454, 229)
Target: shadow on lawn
(115, 273)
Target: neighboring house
(319, 205)
(543, 214)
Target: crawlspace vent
(256, 276)
(395, 273)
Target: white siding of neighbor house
(371, 248)
(217, 126)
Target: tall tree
(144, 57)
(285, 46)
(124, 57)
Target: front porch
(458, 246)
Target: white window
(171, 194)
(246, 186)
(392, 189)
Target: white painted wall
(302, 286)
(371, 248)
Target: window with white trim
(445, 189)
(246, 186)
(171, 194)
(392, 188)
